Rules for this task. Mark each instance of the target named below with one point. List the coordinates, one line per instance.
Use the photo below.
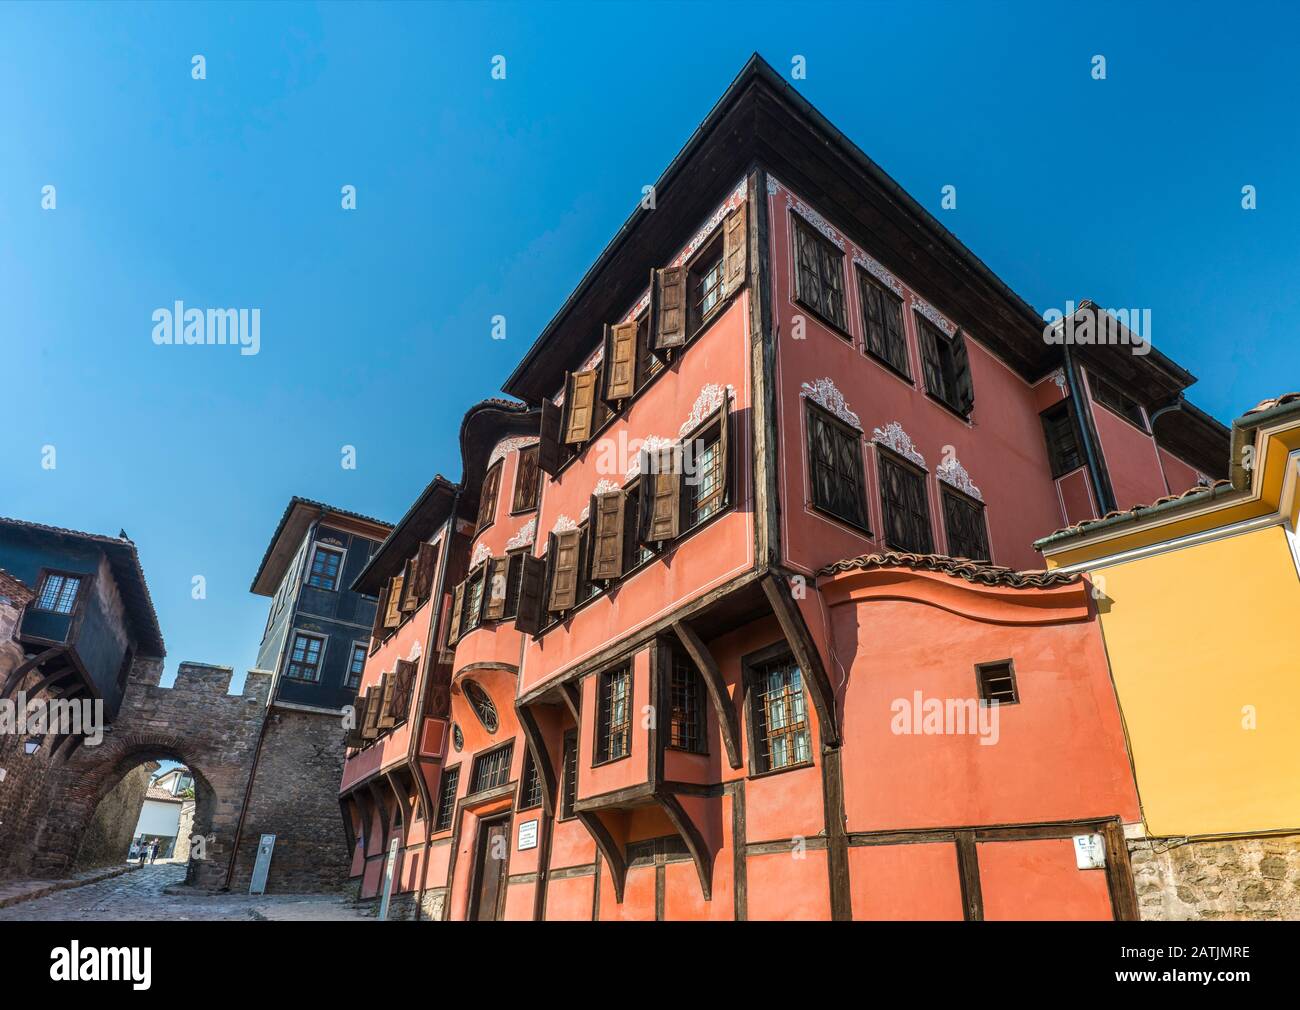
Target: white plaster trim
(1059, 378)
(824, 393)
(815, 219)
(950, 471)
(877, 271)
(563, 524)
(650, 444)
(709, 400)
(509, 445)
(604, 486)
(934, 315)
(481, 554)
(894, 437)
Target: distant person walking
(143, 850)
(153, 851)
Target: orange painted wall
(783, 887)
(915, 881)
(1039, 880)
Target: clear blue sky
(479, 197)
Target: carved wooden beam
(536, 744)
(694, 840)
(15, 678)
(805, 653)
(609, 849)
(728, 723)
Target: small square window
(356, 665)
(997, 683)
(58, 593)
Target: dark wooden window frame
(604, 728)
(1100, 389)
(982, 687)
(695, 708)
(516, 508)
(444, 819)
(710, 250)
(839, 327)
(569, 774)
(1056, 459)
(486, 504)
(948, 491)
(480, 761)
(751, 666)
(708, 431)
(352, 656)
(479, 575)
(481, 703)
(316, 548)
(812, 409)
(865, 277)
(888, 456)
(83, 581)
(320, 659)
(530, 783)
(944, 343)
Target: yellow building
(1198, 597)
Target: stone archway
(194, 722)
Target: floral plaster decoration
(933, 314)
(824, 393)
(709, 400)
(563, 524)
(892, 436)
(815, 219)
(950, 471)
(649, 444)
(877, 271)
(525, 535)
(481, 554)
(1059, 378)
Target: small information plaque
(527, 835)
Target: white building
(160, 814)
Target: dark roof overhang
(298, 515)
(421, 521)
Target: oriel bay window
(835, 467)
(882, 323)
(778, 714)
(614, 714)
(58, 593)
(818, 274)
(946, 366)
(963, 518)
(903, 502)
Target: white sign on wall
(527, 835)
(1089, 852)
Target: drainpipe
(429, 651)
(1100, 481)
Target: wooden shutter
(964, 394)
(404, 684)
(381, 611)
(393, 615)
(354, 737)
(426, 562)
(735, 243)
(931, 363)
(386, 718)
(529, 617)
(670, 307)
(549, 453)
(661, 495)
(607, 535)
(620, 361)
(564, 576)
(724, 448)
(457, 605)
(498, 576)
(526, 481)
(410, 599)
(579, 405)
(370, 727)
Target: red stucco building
(704, 628)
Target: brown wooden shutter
(498, 576)
(965, 391)
(426, 563)
(606, 513)
(393, 616)
(386, 718)
(670, 307)
(735, 244)
(457, 605)
(526, 481)
(579, 405)
(529, 616)
(564, 575)
(661, 495)
(724, 448)
(381, 610)
(403, 687)
(550, 455)
(620, 361)
(370, 727)
(354, 737)
(410, 599)
(931, 365)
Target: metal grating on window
(492, 769)
(997, 683)
(614, 715)
(447, 799)
(781, 716)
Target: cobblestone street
(139, 896)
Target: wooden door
(490, 870)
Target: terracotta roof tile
(1269, 404)
(961, 568)
(14, 588)
(1191, 492)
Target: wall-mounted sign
(1089, 852)
(527, 835)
